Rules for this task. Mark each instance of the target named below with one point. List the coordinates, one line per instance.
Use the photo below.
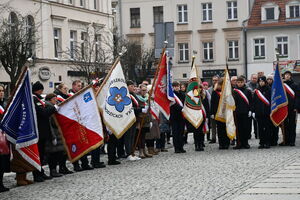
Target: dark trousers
(198, 137)
(54, 159)
(264, 129)
(129, 139)
(141, 139)
(222, 135)
(41, 147)
(161, 142)
(177, 132)
(290, 128)
(274, 135)
(95, 154)
(243, 129)
(150, 143)
(112, 147)
(84, 161)
(120, 147)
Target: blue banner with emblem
(279, 101)
(19, 120)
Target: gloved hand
(253, 115)
(54, 142)
(145, 110)
(212, 117)
(249, 114)
(151, 124)
(56, 107)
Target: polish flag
(80, 123)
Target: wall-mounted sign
(44, 73)
(220, 72)
(289, 65)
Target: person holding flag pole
(222, 108)
(193, 109)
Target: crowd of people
(148, 135)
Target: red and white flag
(80, 123)
(163, 93)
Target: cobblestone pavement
(212, 174)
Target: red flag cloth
(160, 90)
(80, 124)
(31, 155)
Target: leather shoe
(87, 167)
(65, 171)
(182, 151)
(54, 174)
(237, 147)
(113, 162)
(99, 165)
(261, 146)
(247, 146)
(212, 142)
(38, 179)
(46, 177)
(3, 189)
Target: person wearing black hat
(261, 108)
(290, 122)
(43, 113)
(243, 101)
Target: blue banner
(19, 120)
(279, 99)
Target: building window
(73, 36)
(96, 4)
(233, 50)
(182, 14)
(259, 48)
(135, 18)
(158, 14)
(71, 2)
(183, 52)
(82, 3)
(97, 46)
(184, 75)
(84, 45)
(30, 34)
(207, 12)
(294, 11)
(208, 51)
(270, 13)
(232, 10)
(57, 42)
(282, 46)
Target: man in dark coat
(177, 120)
(290, 122)
(261, 107)
(43, 114)
(243, 100)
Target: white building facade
(273, 24)
(211, 28)
(60, 24)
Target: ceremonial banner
(279, 101)
(163, 93)
(226, 107)
(80, 124)
(115, 103)
(192, 109)
(19, 121)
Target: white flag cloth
(226, 107)
(192, 109)
(115, 103)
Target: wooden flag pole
(150, 95)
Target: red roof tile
(255, 18)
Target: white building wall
(59, 14)
(270, 35)
(218, 31)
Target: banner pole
(150, 95)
